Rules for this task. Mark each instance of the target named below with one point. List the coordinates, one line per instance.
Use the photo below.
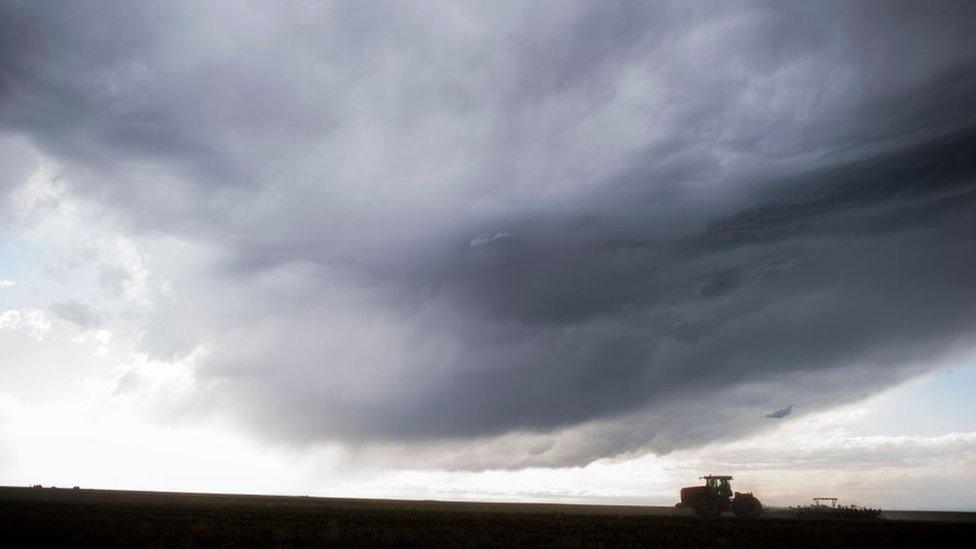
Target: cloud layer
(520, 234)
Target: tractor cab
(718, 485)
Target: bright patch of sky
(15, 257)
(934, 404)
(17, 290)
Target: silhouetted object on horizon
(716, 496)
(781, 413)
(820, 509)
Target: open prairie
(42, 517)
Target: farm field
(41, 517)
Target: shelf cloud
(566, 230)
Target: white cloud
(32, 321)
(7, 283)
(487, 238)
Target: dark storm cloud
(860, 263)
(452, 222)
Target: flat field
(57, 517)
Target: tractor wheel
(708, 508)
(746, 506)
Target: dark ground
(45, 517)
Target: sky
(548, 251)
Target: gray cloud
(781, 413)
(77, 312)
(695, 198)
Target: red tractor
(716, 496)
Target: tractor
(716, 496)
